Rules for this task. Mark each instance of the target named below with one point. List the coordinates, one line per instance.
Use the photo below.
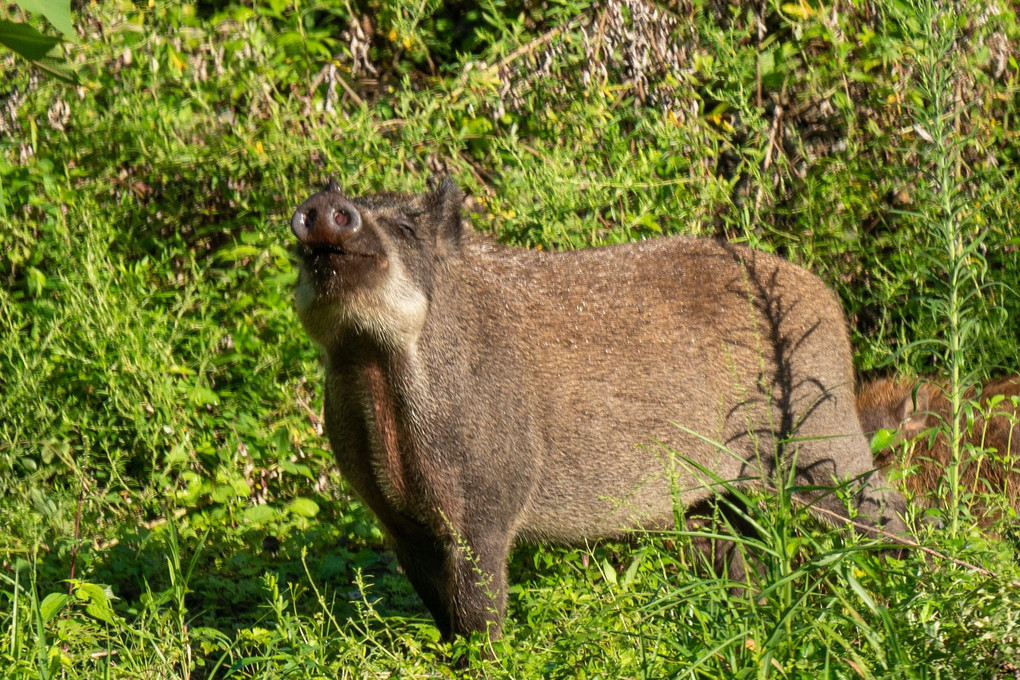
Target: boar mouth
(311, 253)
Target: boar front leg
(462, 579)
(423, 558)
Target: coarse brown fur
(479, 395)
(914, 407)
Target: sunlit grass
(156, 385)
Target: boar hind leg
(462, 581)
(882, 506)
(725, 556)
(880, 509)
(878, 505)
(815, 408)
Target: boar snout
(325, 219)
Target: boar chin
(340, 293)
(333, 272)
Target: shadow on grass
(227, 589)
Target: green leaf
(40, 49)
(57, 12)
(649, 222)
(296, 469)
(236, 253)
(35, 280)
(882, 440)
(305, 507)
(203, 396)
(856, 586)
(98, 600)
(260, 514)
(608, 572)
(223, 493)
(800, 11)
(52, 604)
(26, 41)
(635, 564)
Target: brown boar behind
(914, 407)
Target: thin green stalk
(935, 123)
(42, 649)
(15, 647)
(946, 160)
(3, 201)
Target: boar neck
(372, 383)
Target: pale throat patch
(393, 312)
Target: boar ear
(913, 411)
(445, 203)
(333, 185)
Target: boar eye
(407, 229)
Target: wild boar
(912, 407)
(479, 395)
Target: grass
(159, 429)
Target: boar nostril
(297, 224)
(324, 219)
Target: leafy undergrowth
(167, 504)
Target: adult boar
(478, 395)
